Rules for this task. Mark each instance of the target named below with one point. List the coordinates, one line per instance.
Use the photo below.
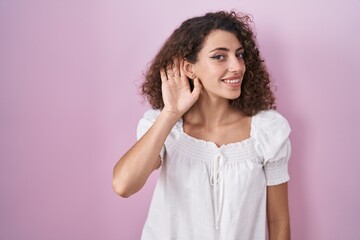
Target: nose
(236, 65)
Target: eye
(240, 55)
(218, 57)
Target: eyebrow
(225, 49)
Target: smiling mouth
(231, 81)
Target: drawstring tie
(216, 182)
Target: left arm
(277, 208)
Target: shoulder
(270, 131)
(151, 114)
(270, 121)
(146, 121)
(149, 118)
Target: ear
(189, 69)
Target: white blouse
(206, 192)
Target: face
(220, 65)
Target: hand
(176, 92)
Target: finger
(163, 75)
(176, 67)
(197, 88)
(169, 72)
(182, 71)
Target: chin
(233, 96)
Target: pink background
(69, 76)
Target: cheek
(210, 71)
(211, 76)
(203, 71)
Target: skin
(206, 114)
(212, 118)
(278, 218)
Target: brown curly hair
(186, 42)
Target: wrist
(170, 115)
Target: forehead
(221, 39)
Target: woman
(222, 148)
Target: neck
(210, 112)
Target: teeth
(232, 81)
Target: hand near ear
(176, 92)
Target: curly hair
(186, 42)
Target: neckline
(207, 142)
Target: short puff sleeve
(272, 143)
(145, 124)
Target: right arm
(133, 169)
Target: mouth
(233, 82)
